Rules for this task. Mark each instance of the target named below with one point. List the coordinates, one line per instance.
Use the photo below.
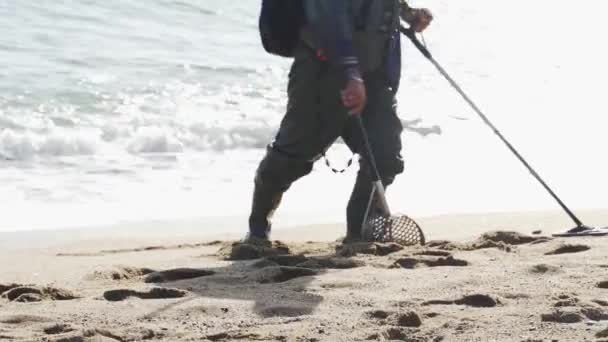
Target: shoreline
(457, 227)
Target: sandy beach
(480, 278)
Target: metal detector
(580, 229)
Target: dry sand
(509, 286)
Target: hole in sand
(92, 335)
(572, 310)
(285, 311)
(437, 253)
(177, 274)
(286, 260)
(503, 240)
(58, 328)
(377, 249)
(408, 319)
(411, 263)
(399, 334)
(6, 287)
(242, 251)
(476, 301)
(233, 336)
(378, 314)
(544, 269)
(155, 293)
(36, 294)
(340, 285)
(331, 263)
(308, 262)
(566, 249)
(603, 284)
(510, 238)
(600, 302)
(560, 316)
(23, 319)
(283, 273)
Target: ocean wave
(26, 145)
(19, 144)
(154, 140)
(160, 135)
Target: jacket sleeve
(331, 22)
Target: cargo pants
(314, 120)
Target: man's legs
(275, 174)
(315, 118)
(384, 130)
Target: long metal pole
(412, 36)
(379, 187)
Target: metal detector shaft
(379, 187)
(408, 32)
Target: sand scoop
(379, 224)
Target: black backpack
(280, 23)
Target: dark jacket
(353, 34)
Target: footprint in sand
(242, 251)
(26, 294)
(23, 319)
(432, 252)
(409, 319)
(58, 328)
(308, 262)
(402, 334)
(567, 248)
(377, 249)
(6, 287)
(562, 316)
(104, 335)
(155, 293)
(544, 269)
(503, 240)
(281, 260)
(573, 310)
(282, 274)
(378, 314)
(331, 263)
(600, 302)
(177, 274)
(119, 273)
(476, 301)
(285, 311)
(238, 336)
(603, 284)
(88, 335)
(411, 263)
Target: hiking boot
(353, 239)
(254, 240)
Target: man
(347, 63)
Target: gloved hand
(418, 18)
(354, 95)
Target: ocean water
(117, 111)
